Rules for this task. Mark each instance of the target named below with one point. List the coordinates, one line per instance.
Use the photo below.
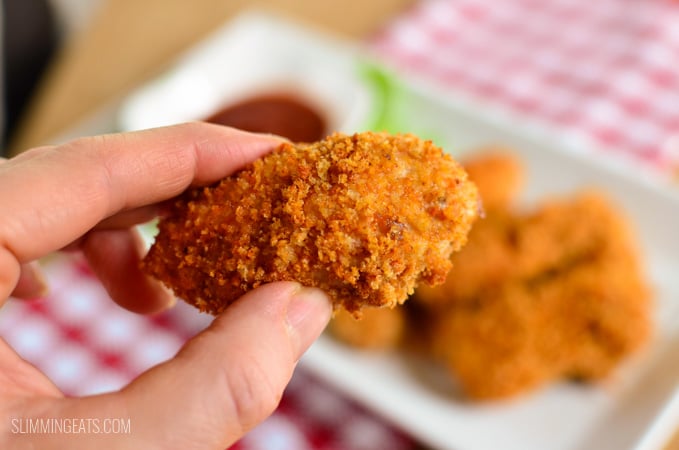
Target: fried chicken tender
(507, 246)
(488, 257)
(534, 296)
(366, 218)
(575, 304)
(498, 175)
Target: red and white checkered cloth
(87, 344)
(607, 70)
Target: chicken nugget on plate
(575, 305)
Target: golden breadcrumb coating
(498, 175)
(533, 296)
(574, 305)
(488, 259)
(489, 255)
(366, 218)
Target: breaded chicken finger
(364, 217)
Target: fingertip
(10, 272)
(232, 375)
(301, 312)
(114, 256)
(308, 313)
(155, 298)
(270, 298)
(32, 283)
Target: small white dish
(240, 61)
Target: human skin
(86, 195)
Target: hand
(86, 195)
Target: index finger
(51, 196)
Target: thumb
(223, 382)
(231, 376)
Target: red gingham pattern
(607, 70)
(82, 340)
(86, 344)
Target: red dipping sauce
(279, 114)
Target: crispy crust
(533, 296)
(498, 174)
(489, 257)
(364, 217)
(574, 304)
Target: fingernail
(168, 295)
(39, 279)
(308, 313)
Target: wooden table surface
(130, 41)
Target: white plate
(639, 409)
